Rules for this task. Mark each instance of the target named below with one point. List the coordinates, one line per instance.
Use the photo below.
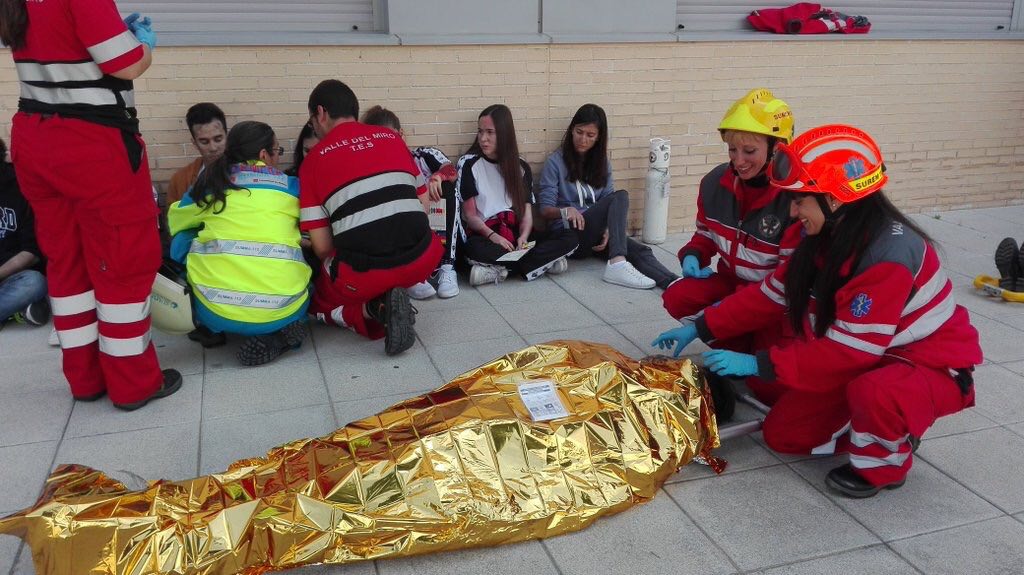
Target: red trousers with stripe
(871, 418)
(353, 288)
(689, 296)
(96, 223)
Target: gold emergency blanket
(463, 466)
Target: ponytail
(245, 142)
(13, 23)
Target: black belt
(964, 378)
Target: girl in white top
(496, 188)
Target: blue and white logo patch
(861, 305)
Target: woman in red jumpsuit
(883, 350)
(83, 167)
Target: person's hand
(680, 337)
(725, 362)
(692, 269)
(131, 19)
(143, 32)
(501, 241)
(574, 217)
(434, 188)
(604, 242)
(521, 243)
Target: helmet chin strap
(831, 216)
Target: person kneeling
(237, 231)
(884, 350)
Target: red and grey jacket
(741, 223)
(898, 303)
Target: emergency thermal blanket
(536, 443)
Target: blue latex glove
(725, 362)
(680, 337)
(145, 34)
(692, 269)
(131, 19)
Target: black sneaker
(172, 383)
(207, 338)
(37, 313)
(723, 395)
(847, 481)
(394, 310)
(1008, 263)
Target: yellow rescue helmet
(170, 301)
(760, 112)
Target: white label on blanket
(514, 256)
(541, 399)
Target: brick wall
(949, 115)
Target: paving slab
(659, 536)
(469, 325)
(872, 560)
(457, 358)
(529, 557)
(768, 517)
(36, 371)
(928, 502)
(999, 393)
(409, 373)
(100, 417)
(270, 387)
(598, 333)
(33, 417)
(740, 454)
(23, 469)
(1000, 343)
(226, 440)
(988, 462)
(9, 547)
(993, 546)
(546, 315)
(159, 453)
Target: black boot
(723, 395)
(172, 383)
(1008, 262)
(847, 481)
(394, 310)
(207, 338)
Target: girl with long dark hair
(577, 192)
(496, 188)
(883, 351)
(82, 165)
(238, 234)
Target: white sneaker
(481, 274)
(626, 275)
(53, 340)
(422, 290)
(559, 267)
(447, 282)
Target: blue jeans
(20, 290)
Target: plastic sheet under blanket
(467, 465)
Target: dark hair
(13, 23)
(300, 152)
(336, 98)
(507, 150)
(245, 141)
(381, 116)
(3, 149)
(840, 242)
(592, 169)
(204, 113)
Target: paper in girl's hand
(514, 255)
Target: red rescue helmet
(834, 159)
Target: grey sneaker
(447, 282)
(560, 266)
(422, 290)
(481, 274)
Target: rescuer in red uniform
(883, 349)
(82, 165)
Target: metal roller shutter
(256, 16)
